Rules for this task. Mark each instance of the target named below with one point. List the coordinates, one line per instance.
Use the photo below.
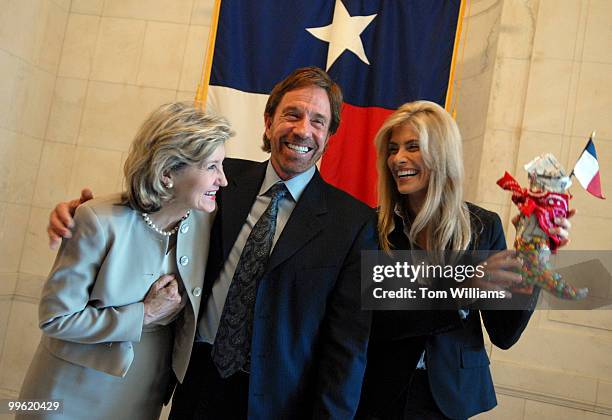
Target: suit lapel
(236, 202)
(303, 224)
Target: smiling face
(406, 164)
(298, 130)
(195, 187)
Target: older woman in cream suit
(119, 309)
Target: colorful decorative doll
(546, 199)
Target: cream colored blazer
(91, 308)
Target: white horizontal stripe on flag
(245, 112)
(586, 168)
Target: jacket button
(197, 291)
(184, 228)
(184, 260)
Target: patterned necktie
(232, 347)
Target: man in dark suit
(289, 340)
(309, 336)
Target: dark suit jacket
(456, 360)
(310, 335)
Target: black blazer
(308, 349)
(457, 363)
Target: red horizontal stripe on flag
(349, 162)
(595, 186)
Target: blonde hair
(444, 217)
(174, 136)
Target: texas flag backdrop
(382, 53)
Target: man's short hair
(304, 77)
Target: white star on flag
(343, 34)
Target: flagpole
(202, 91)
(458, 32)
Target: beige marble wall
(73, 91)
(489, 110)
(473, 79)
(551, 86)
(29, 60)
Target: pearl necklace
(152, 225)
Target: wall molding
(552, 399)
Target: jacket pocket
(114, 359)
(474, 357)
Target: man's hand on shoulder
(60, 219)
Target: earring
(169, 184)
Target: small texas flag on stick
(586, 169)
